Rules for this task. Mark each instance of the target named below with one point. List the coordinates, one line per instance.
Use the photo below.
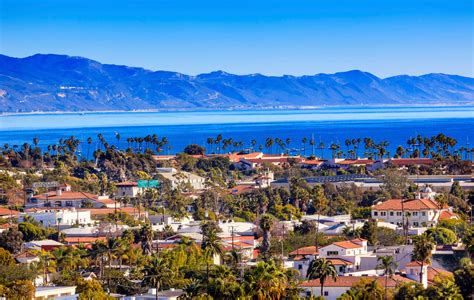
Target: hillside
(64, 83)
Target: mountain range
(49, 82)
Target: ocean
(328, 125)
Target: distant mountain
(64, 83)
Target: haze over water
(394, 124)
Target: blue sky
(385, 37)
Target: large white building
(346, 255)
(418, 212)
(59, 217)
(128, 189)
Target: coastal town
(238, 223)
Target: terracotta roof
(349, 281)
(127, 183)
(338, 262)
(415, 204)
(240, 189)
(447, 215)
(415, 264)
(410, 161)
(105, 211)
(310, 250)
(65, 195)
(106, 201)
(355, 162)
(25, 254)
(433, 272)
(8, 212)
(347, 245)
(163, 157)
(358, 240)
(313, 162)
(235, 157)
(84, 239)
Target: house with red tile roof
(302, 258)
(347, 254)
(6, 213)
(418, 212)
(127, 189)
(334, 288)
(342, 163)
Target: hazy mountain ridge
(64, 83)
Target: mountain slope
(64, 83)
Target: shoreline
(279, 108)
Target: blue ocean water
(329, 125)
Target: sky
(295, 37)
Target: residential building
(417, 212)
(335, 288)
(59, 217)
(64, 198)
(128, 189)
(55, 292)
(346, 254)
(182, 178)
(46, 245)
(171, 294)
(302, 258)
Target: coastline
(243, 109)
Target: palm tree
(388, 265)
(266, 281)
(146, 233)
(266, 224)
(422, 251)
(321, 269)
(157, 272)
(112, 247)
(211, 244)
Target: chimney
(59, 192)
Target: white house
(55, 292)
(346, 255)
(63, 198)
(335, 288)
(182, 178)
(418, 212)
(302, 258)
(128, 189)
(171, 294)
(59, 217)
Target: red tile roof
(447, 215)
(240, 189)
(313, 162)
(410, 161)
(310, 250)
(349, 281)
(126, 183)
(433, 272)
(105, 211)
(338, 262)
(347, 245)
(356, 162)
(84, 239)
(415, 204)
(65, 195)
(7, 212)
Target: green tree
(31, 231)
(211, 244)
(11, 240)
(441, 236)
(6, 259)
(424, 245)
(266, 281)
(444, 288)
(464, 279)
(157, 273)
(266, 224)
(388, 265)
(91, 289)
(321, 269)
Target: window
(383, 213)
(399, 213)
(391, 213)
(423, 214)
(415, 223)
(415, 213)
(375, 213)
(332, 253)
(300, 267)
(326, 293)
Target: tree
(321, 269)
(266, 281)
(6, 259)
(464, 279)
(408, 290)
(211, 244)
(266, 224)
(11, 240)
(441, 236)
(30, 231)
(157, 272)
(422, 251)
(368, 232)
(194, 149)
(443, 288)
(91, 289)
(394, 183)
(388, 265)
(146, 234)
(364, 289)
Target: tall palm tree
(212, 246)
(112, 246)
(424, 245)
(157, 273)
(146, 233)
(388, 265)
(266, 224)
(321, 269)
